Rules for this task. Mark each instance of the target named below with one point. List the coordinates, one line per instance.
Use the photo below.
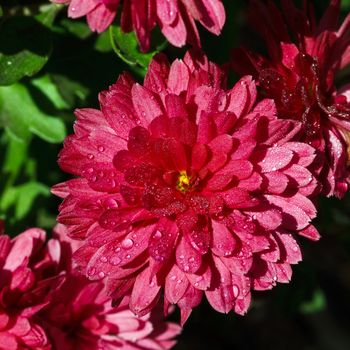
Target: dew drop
(191, 260)
(111, 203)
(152, 284)
(117, 249)
(128, 256)
(91, 271)
(101, 149)
(90, 156)
(103, 259)
(173, 278)
(158, 235)
(101, 274)
(115, 261)
(235, 290)
(127, 243)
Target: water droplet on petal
(103, 259)
(115, 261)
(235, 290)
(127, 243)
(90, 156)
(91, 271)
(101, 149)
(101, 274)
(158, 235)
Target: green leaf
(16, 155)
(103, 43)
(345, 5)
(317, 303)
(48, 14)
(25, 46)
(126, 47)
(71, 91)
(79, 29)
(22, 198)
(20, 116)
(50, 90)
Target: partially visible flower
(24, 291)
(299, 76)
(81, 316)
(186, 187)
(176, 18)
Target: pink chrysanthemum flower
(176, 18)
(24, 291)
(185, 187)
(299, 76)
(81, 315)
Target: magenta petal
(79, 8)
(100, 18)
(187, 258)
(291, 248)
(238, 198)
(310, 232)
(145, 103)
(167, 11)
(178, 77)
(202, 279)
(144, 294)
(176, 285)
(273, 158)
(162, 241)
(224, 242)
(107, 258)
(221, 298)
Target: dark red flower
(185, 187)
(176, 18)
(24, 291)
(299, 75)
(81, 316)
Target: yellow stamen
(183, 182)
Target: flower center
(183, 182)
